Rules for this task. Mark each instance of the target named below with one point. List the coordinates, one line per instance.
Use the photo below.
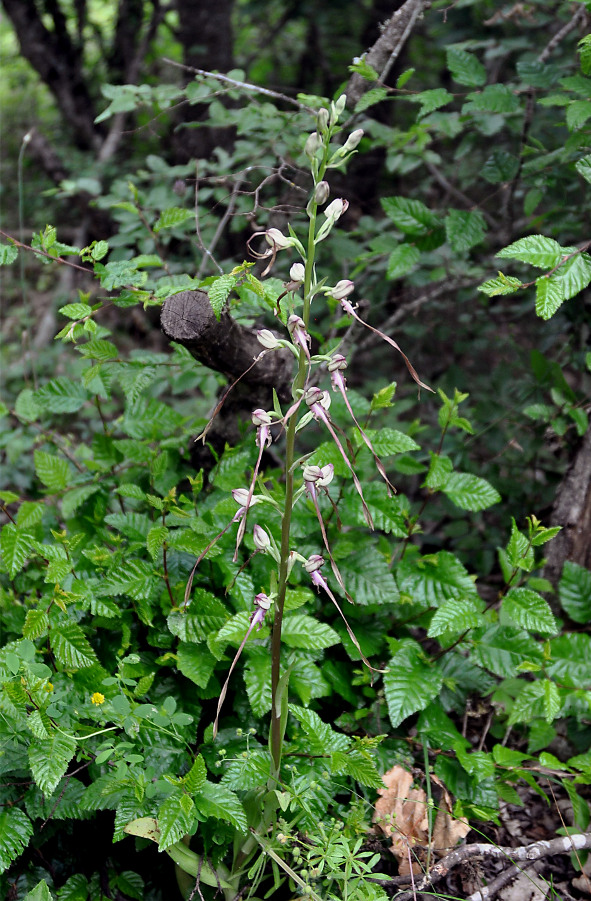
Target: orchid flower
(313, 565)
(299, 335)
(340, 292)
(262, 604)
(277, 241)
(319, 402)
(263, 421)
(339, 383)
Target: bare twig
(208, 254)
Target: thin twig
(221, 226)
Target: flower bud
(312, 145)
(336, 209)
(263, 601)
(297, 272)
(322, 119)
(277, 239)
(261, 538)
(353, 140)
(295, 323)
(240, 495)
(321, 192)
(268, 339)
(342, 289)
(340, 104)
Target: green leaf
(39, 893)
(470, 492)
(410, 216)
(76, 310)
(74, 499)
(71, 647)
(195, 662)
(440, 469)
(574, 591)
(368, 578)
(36, 624)
(257, 678)
(569, 279)
(14, 546)
(464, 230)
(431, 100)
(358, 765)
(370, 98)
(155, 539)
(197, 775)
(170, 218)
(219, 802)
(175, 819)
(205, 615)
(135, 526)
(545, 253)
(8, 254)
(527, 609)
(16, 830)
(465, 68)
(570, 661)
(502, 650)
(406, 76)
(455, 615)
(577, 113)
(219, 291)
(390, 441)
(501, 166)
(98, 349)
(583, 167)
(53, 471)
(433, 579)
(536, 699)
(494, 98)
(25, 407)
(119, 274)
(402, 260)
(410, 684)
(302, 631)
(321, 737)
(49, 759)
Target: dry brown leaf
(401, 814)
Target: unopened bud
(353, 140)
(297, 272)
(321, 192)
(312, 145)
(338, 361)
(295, 323)
(240, 495)
(322, 119)
(342, 289)
(261, 417)
(261, 538)
(263, 601)
(314, 563)
(277, 239)
(268, 339)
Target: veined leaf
(257, 678)
(71, 647)
(197, 775)
(61, 395)
(248, 773)
(436, 578)
(470, 492)
(502, 649)
(465, 68)
(574, 592)
(321, 737)
(358, 765)
(537, 250)
(40, 893)
(455, 615)
(402, 260)
(195, 662)
(410, 684)
(536, 699)
(410, 216)
(74, 499)
(205, 615)
(8, 254)
(464, 229)
(15, 546)
(219, 291)
(53, 471)
(16, 830)
(431, 100)
(527, 609)
(302, 631)
(219, 802)
(568, 280)
(176, 816)
(367, 577)
(170, 218)
(390, 441)
(494, 98)
(570, 661)
(49, 759)
(36, 624)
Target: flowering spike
(262, 604)
(339, 383)
(348, 308)
(263, 422)
(319, 401)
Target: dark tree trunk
(227, 347)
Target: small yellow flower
(97, 698)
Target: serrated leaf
(98, 349)
(49, 759)
(155, 539)
(71, 647)
(570, 660)
(39, 893)
(134, 526)
(25, 407)
(465, 68)
(402, 260)
(205, 615)
(8, 254)
(358, 765)
(455, 615)
(527, 609)
(502, 650)
(14, 546)
(172, 217)
(195, 662)
(464, 229)
(219, 802)
(583, 167)
(368, 578)
(61, 395)
(410, 216)
(302, 631)
(574, 591)
(135, 378)
(501, 166)
(74, 499)
(76, 310)
(257, 678)
(470, 492)
(494, 98)
(321, 737)
(135, 579)
(36, 624)
(431, 100)
(16, 830)
(197, 775)
(176, 816)
(410, 683)
(219, 291)
(249, 772)
(370, 98)
(577, 113)
(53, 471)
(433, 579)
(537, 250)
(568, 280)
(536, 699)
